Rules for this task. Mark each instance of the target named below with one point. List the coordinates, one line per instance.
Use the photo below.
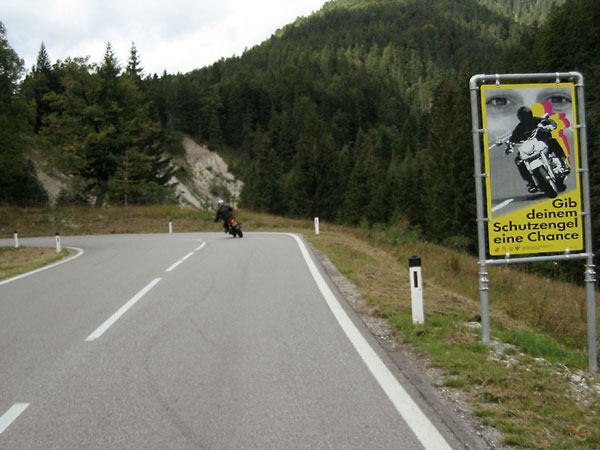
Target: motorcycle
(545, 170)
(234, 228)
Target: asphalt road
(195, 341)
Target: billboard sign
(533, 196)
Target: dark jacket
(224, 213)
(524, 130)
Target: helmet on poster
(524, 114)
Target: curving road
(195, 341)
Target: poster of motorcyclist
(531, 154)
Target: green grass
(530, 400)
(537, 345)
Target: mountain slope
(525, 12)
(342, 100)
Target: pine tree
(18, 184)
(313, 183)
(142, 172)
(103, 128)
(215, 135)
(43, 64)
(39, 84)
(263, 178)
(134, 69)
(448, 187)
(362, 181)
(109, 68)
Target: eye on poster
(531, 156)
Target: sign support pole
(590, 274)
(479, 177)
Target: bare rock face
(207, 178)
(52, 183)
(210, 178)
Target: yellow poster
(533, 194)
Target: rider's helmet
(220, 202)
(524, 114)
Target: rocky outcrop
(205, 179)
(210, 178)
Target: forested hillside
(331, 117)
(358, 114)
(528, 12)
(18, 184)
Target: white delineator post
(170, 227)
(317, 231)
(58, 247)
(416, 289)
(16, 240)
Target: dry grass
(517, 299)
(14, 261)
(72, 220)
(382, 276)
(83, 220)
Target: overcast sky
(171, 35)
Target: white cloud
(176, 36)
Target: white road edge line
(425, 431)
(11, 415)
(58, 263)
(502, 205)
(201, 246)
(116, 316)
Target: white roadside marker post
(317, 231)
(58, 247)
(16, 240)
(170, 227)
(416, 289)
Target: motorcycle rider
(224, 213)
(524, 130)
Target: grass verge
(14, 261)
(531, 383)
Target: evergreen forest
(358, 114)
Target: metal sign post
(540, 204)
